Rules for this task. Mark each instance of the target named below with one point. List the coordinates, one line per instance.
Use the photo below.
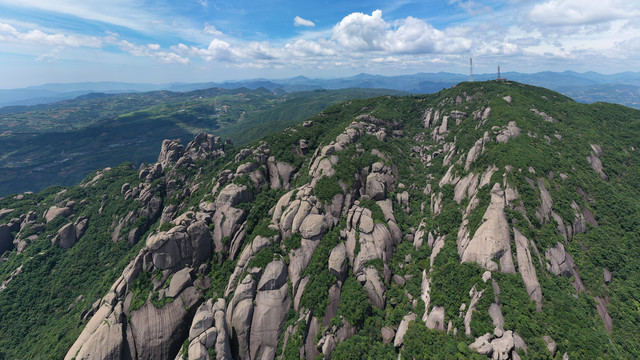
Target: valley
(60, 143)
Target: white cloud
(150, 50)
(222, 51)
(582, 12)
(298, 21)
(303, 47)
(50, 57)
(218, 50)
(117, 12)
(362, 32)
(212, 30)
(259, 51)
(39, 37)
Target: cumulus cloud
(298, 21)
(363, 32)
(217, 50)
(222, 51)
(582, 12)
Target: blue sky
(210, 40)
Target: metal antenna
(470, 69)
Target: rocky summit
(490, 220)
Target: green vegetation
(315, 297)
(326, 188)
(42, 299)
(354, 304)
(75, 137)
(39, 301)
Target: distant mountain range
(622, 88)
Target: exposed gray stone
(179, 281)
(202, 320)
(159, 333)
(502, 346)
(66, 237)
(388, 334)
(435, 320)
(551, 345)
(55, 212)
(106, 343)
(270, 312)
(492, 239)
(313, 227)
(482, 345)
(374, 287)
(402, 329)
(338, 265)
(527, 270)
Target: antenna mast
(499, 73)
(470, 69)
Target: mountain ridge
(492, 219)
(567, 82)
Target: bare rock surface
(66, 237)
(171, 151)
(240, 315)
(546, 202)
(179, 281)
(482, 345)
(374, 287)
(604, 314)
(560, 262)
(157, 332)
(55, 212)
(502, 346)
(435, 320)
(526, 268)
(313, 227)
(338, 261)
(594, 160)
(492, 240)
(270, 311)
(509, 132)
(551, 344)
(402, 329)
(107, 343)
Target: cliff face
(488, 220)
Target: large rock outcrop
(526, 268)
(270, 311)
(492, 240)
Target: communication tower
(470, 69)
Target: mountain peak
(463, 223)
